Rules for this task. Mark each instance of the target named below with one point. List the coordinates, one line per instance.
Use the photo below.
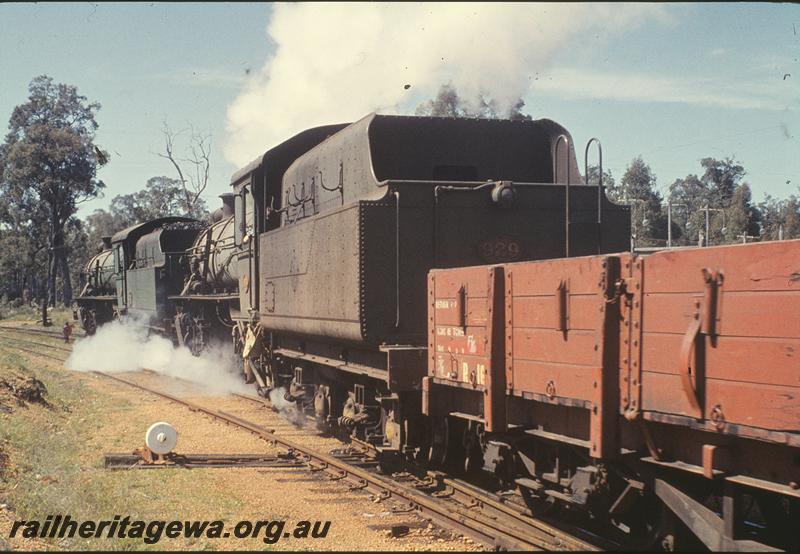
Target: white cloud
(775, 94)
(338, 62)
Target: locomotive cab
(148, 258)
(257, 199)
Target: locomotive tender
(399, 277)
(338, 246)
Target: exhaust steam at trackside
(288, 410)
(118, 347)
(337, 62)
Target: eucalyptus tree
(50, 163)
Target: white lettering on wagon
(481, 374)
(449, 331)
(440, 366)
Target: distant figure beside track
(67, 331)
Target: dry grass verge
(45, 469)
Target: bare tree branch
(194, 180)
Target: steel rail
(127, 461)
(35, 343)
(497, 506)
(472, 523)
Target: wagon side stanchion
(559, 140)
(599, 187)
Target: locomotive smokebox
(227, 204)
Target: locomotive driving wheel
(191, 332)
(89, 321)
(196, 336)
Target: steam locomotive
(405, 279)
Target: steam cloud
(287, 409)
(118, 347)
(335, 63)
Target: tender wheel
(538, 504)
(393, 435)
(322, 408)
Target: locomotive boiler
(202, 312)
(211, 257)
(94, 305)
(152, 270)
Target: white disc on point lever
(161, 438)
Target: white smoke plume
(118, 347)
(337, 62)
(287, 409)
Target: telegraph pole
(631, 202)
(707, 210)
(669, 224)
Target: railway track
(52, 333)
(12, 345)
(16, 342)
(34, 343)
(449, 503)
(495, 521)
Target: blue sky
(673, 83)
